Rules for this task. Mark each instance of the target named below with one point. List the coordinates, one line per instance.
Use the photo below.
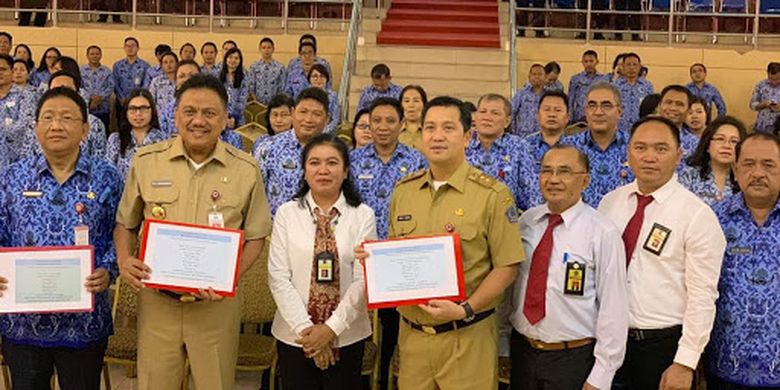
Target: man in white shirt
(569, 306)
(674, 247)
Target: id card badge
(324, 267)
(657, 239)
(575, 279)
(216, 219)
(81, 235)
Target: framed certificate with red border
(46, 279)
(187, 257)
(408, 271)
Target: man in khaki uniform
(445, 344)
(183, 180)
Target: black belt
(443, 328)
(649, 334)
(185, 298)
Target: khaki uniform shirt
(163, 184)
(477, 207)
(411, 138)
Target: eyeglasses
(563, 173)
(722, 140)
(66, 119)
(605, 106)
(362, 126)
(136, 109)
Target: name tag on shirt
(216, 219)
(657, 239)
(162, 183)
(32, 194)
(81, 235)
(366, 176)
(575, 279)
(741, 250)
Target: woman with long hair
(45, 67)
(232, 76)
(140, 127)
(709, 172)
(23, 52)
(321, 320)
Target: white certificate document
(46, 279)
(186, 257)
(413, 270)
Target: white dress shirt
(591, 239)
(289, 270)
(679, 286)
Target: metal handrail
(348, 64)
(512, 49)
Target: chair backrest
(251, 131)
(564, 4)
(770, 7)
(252, 108)
(700, 6)
(257, 303)
(125, 308)
(733, 6)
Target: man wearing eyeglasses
(569, 307)
(602, 142)
(674, 248)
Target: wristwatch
(469, 312)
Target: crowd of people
(611, 237)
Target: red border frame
(458, 265)
(53, 249)
(142, 254)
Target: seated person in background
(187, 52)
(413, 99)
(649, 105)
(709, 171)
(45, 68)
(698, 117)
(319, 78)
(279, 119)
(296, 61)
(700, 88)
(361, 130)
(140, 128)
(551, 73)
(381, 86)
(766, 99)
(21, 75)
(156, 70)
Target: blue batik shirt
(502, 161)
(525, 105)
(578, 89)
(98, 82)
(766, 118)
(296, 82)
(608, 168)
(168, 127)
(375, 180)
(128, 77)
(94, 145)
(295, 62)
(266, 80)
(37, 211)
(705, 189)
(153, 72)
(260, 145)
(370, 93)
(711, 95)
(280, 164)
(163, 91)
(744, 345)
(39, 78)
(556, 86)
(334, 110)
(237, 97)
(122, 161)
(17, 112)
(632, 96)
(214, 70)
(533, 150)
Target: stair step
(439, 26)
(454, 15)
(451, 71)
(439, 39)
(433, 55)
(468, 6)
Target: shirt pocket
(161, 196)
(466, 232)
(404, 228)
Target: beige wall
(74, 42)
(735, 73)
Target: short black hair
(26, 64)
(67, 93)
(617, 59)
(132, 39)
(68, 64)
(319, 68)
(65, 73)
(181, 49)
(388, 101)
(552, 66)
(632, 54)
(203, 46)
(697, 64)
(655, 118)
(8, 59)
(555, 93)
(492, 97)
(90, 47)
(361, 112)
(230, 41)
(204, 81)
(707, 108)
(449, 101)
(677, 88)
(773, 68)
(280, 100)
(582, 157)
(161, 49)
(535, 65)
(8, 35)
(269, 40)
(757, 135)
(169, 53)
(590, 53)
(186, 63)
(314, 93)
(414, 87)
(309, 37)
(351, 195)
(649, 104)
(307, 44)
(380, 70)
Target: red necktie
(535, 293)
(631, 234)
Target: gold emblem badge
(91, 195)
(158, 212)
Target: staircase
(453, 23)
(463, 72)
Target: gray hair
(603, 85)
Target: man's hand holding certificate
(190, 258)
(413, 270)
